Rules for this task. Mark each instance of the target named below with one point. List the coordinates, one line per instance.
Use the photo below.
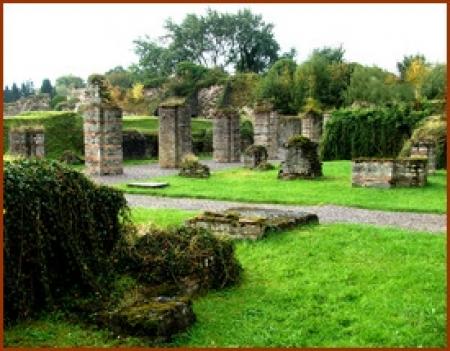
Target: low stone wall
(27, 142)
(288, 126)
(387, 173)
(428, 150)
(175, 140)
(226, 136)
(312, 126)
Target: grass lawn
(148, 124)
(326, 285)
(334, 188)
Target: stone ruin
(387, 173)
(102, 133)
(288, 126)
(191, 168)
(265, 128)
(27, 142)
(250, 223)
(35, 102)
(425, 149)
(254, 156)
(312, 126)
(226, 135)
(207, 99)
(174, 139)
(301, 159)
(326, 118)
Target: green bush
(368, 132)
(59, 231)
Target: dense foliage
(59, 231)
(182, 257)
(368, 132)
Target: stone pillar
(254, 155)
(288, 126)
(266, 129)
(175, 138)
(301, 161)
(312, 126)
(102, 135)
(425, 149)
(27, 142)
(226, 136)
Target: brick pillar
(102, 135)
(226, 136)
(312, 126)
(266, 129)
(175, 138)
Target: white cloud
(49, 40)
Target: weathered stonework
(254, 155)
(102, 135)
(207, 100)
(265, 127)
(226, 136)
(387, 173)
(38, 102)
(288, 126)
(326, 118)
(175, 140)
(301, 160)
(426, 149)
(312, 126)
(27, 142)
(250, 223)
(191, 168)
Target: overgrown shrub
(59, 232)
(192, 259)
(368, 132)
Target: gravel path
(327, 214)
(153, 170)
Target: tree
(277, 86)
(65, 84)
(120, 77)
(416, 74)
(403, 65)
(15, 93)
(47, 88)
(26, 89)
(435, 83)
(7, 97)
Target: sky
(51, 40)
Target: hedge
(368, 132)
(59, 231)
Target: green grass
(326, 285)
(330, 285)
(148, 124)
(334, 188)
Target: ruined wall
(428, 150)
(254, 155)
(387, 173)
(207, 100)
(288, 126)
(226, 136)
(27, 142)
(175, 138)
(40, 102)
(312, 126)
(102, 135)
(265, 127)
